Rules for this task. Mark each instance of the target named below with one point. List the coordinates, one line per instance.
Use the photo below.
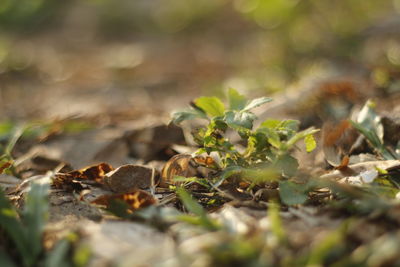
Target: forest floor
(86, 116)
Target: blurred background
(61, 58)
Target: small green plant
(369, 124)
(200, 215)
(270, 144)
(21, 234)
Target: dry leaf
(363, 170)
(5, 165)
(178, 165)
(135, 199)
(71, 180)
(129, 177)
(93, 173)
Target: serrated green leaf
(261, 174)
(300, 135)
(287, 164)
(213, 106)
(270, 123)
(272, 136)
(238, 120)
(293, 194)
(310, 143)
(256, 103)
(291, 125)
(228, 172)
(180, 116)
(236, 100)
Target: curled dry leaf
(71, 179)
(129, 177)
(185, 165)
(135, 199)
(178, 165)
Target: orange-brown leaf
(136, 199)
(93, 173)
(178, 165)
(5, 166)
(70, 180)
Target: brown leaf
(71, 180)
(93, 173)
(5, 166)
(178, 165)
(355, 170)
(129, 177)
(136, 199)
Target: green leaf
(228, 172)
(5, 260)
(57, 256)
(310, 143)
(34, 216)
(257, 102)
(213, 106)
(369, 124)
(82, 255)
(272, 136)
(236, 100)
(238, 120)
(180, 116)
(370, 120)
(374, 140)
(287, 164)
(194, 207)
(261, 174)
(200, 181)
(300, 135)
(293, 194)
(6, 128)
(270, 123)
(334, 241)
(9, 221)
(276, 222)
(291, 125)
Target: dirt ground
(95, 99)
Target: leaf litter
(229, 202)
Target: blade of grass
(195, 208)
